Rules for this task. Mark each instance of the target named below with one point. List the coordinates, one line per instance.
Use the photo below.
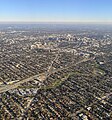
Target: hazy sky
(56, 10)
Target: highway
(17, 84)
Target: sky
(56, 11)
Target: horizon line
(52, 22)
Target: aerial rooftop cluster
(55, 73)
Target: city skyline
(55, 59)
(68, 11)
